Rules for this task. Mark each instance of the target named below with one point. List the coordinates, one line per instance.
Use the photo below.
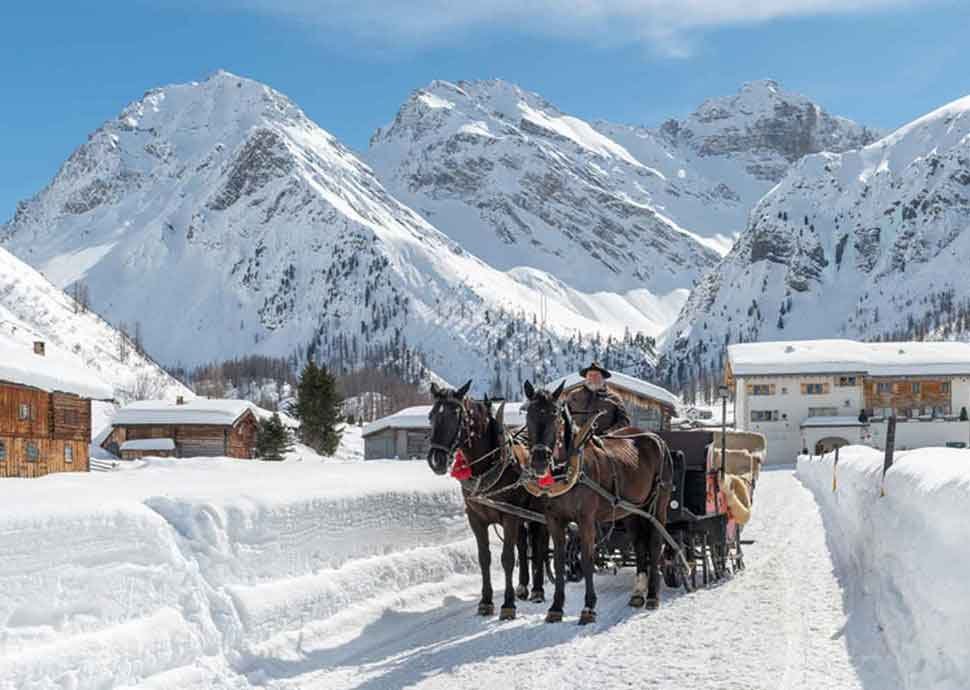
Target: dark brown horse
(636, 469)
(461, 424)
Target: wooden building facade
(44, 429)
(196, 428)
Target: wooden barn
(649, 406)
(186, 428)
(45, 410)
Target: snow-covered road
(779, 624)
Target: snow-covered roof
(417, 418)
(194, 411)
(850, 356)
(831, 421)
(149, 444)
(626, 382)
(55, 371)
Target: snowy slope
(865, 244)
(225, 222)
(900, 554)
(517, 182)
(31, 308)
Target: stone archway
(829, 444)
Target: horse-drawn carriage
(672, 504)
(704, 522)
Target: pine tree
(318, 409)
(272, 439)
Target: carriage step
(747, 542)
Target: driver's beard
(595, 387)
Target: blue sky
(66, 67)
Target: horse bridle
(460, 432)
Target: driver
(593, 397)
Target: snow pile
(904, 553)
(186, 567)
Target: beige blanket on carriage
(741, 470)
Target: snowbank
(904, 554)
(111, 578)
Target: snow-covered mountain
(31, 308)
(223, 221)
(869, 243)
(510, 177)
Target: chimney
(180, 400)
(39, 347)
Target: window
(823, 412)
(764, 415)
(784, 390)
(916, 388)
(847, 380)
(25, 412)
(33, 453)
(71, 417)
(3, 451)
(68, 454)
(884, 388)
(761, 389)
(814, 388)
(945, 387)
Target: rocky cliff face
(866, 244)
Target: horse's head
(542, 422)
(448, 419)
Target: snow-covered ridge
(865, 244)
(31, 309)
(902, 554)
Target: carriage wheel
(574, 554)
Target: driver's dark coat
(584, 403)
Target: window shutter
(804, 389)
(750, 389)
(826, 387)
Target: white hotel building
(816, 395)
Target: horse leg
(558, 532)
(540, 555)
(510, 529)
(522, 591)
(480, 529)
(655, 551)
(636, 529)
(587, 540)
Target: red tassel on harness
(461, 470)
(546, 479)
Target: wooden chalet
(649, 406)
(186, 428)
(45, 410)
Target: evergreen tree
(318, 409)
(272, 439)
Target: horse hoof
(522, 592)
(486, 609)
(554, 617)
(653, 603)
(506, 613)
(637, 601)
(587, 616)
(538, 597)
